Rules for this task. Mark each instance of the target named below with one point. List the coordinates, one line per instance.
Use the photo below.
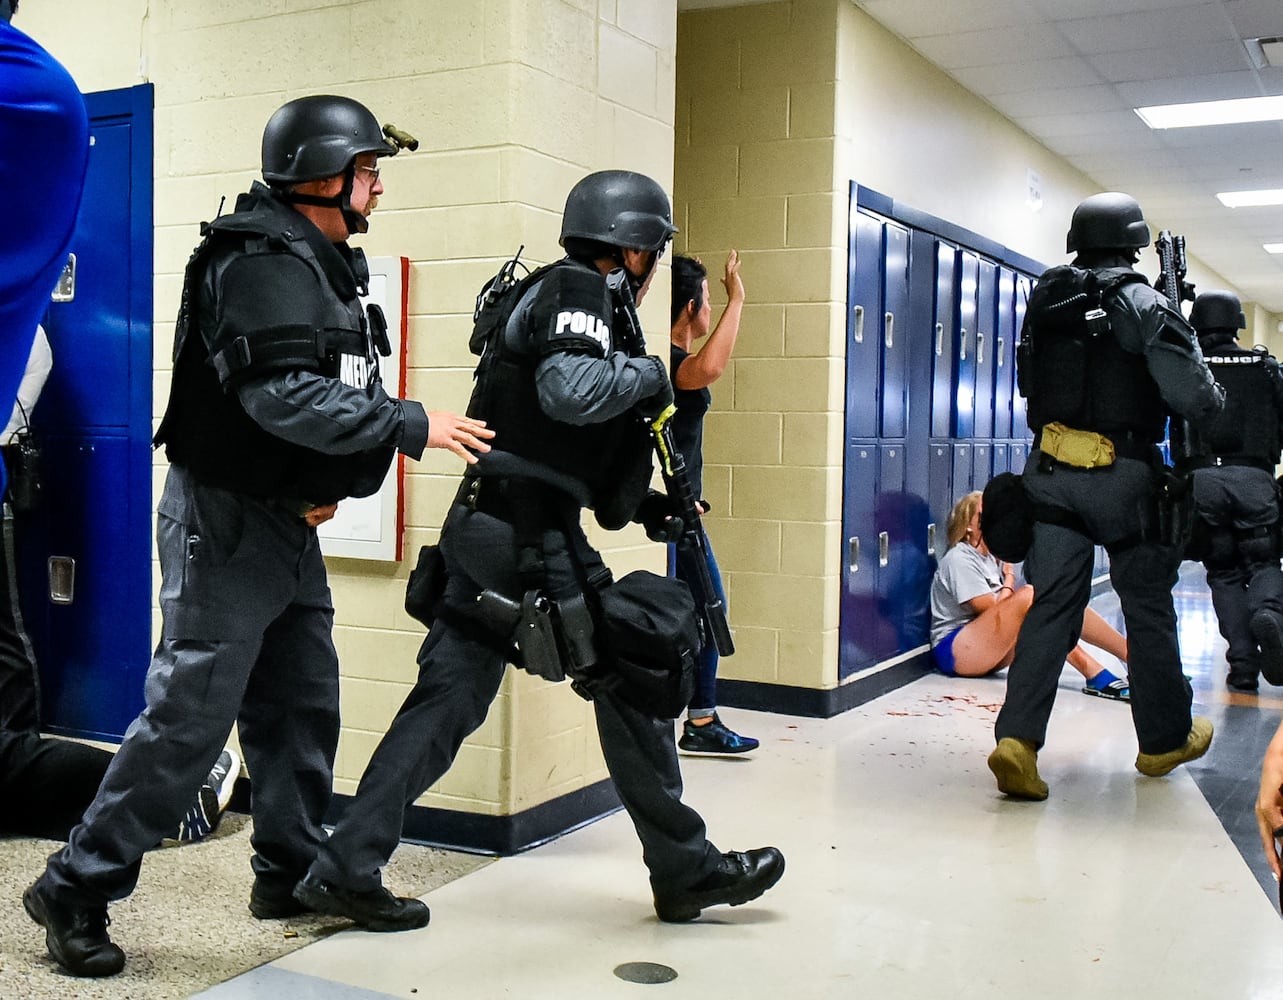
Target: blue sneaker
(201, 819)
(713, 737)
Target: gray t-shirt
(963, 575)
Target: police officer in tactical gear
(1235, 495)
(276, 413)
(563, 388)
(1103, 359)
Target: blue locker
(986, 346)
(1018, 453)
(1019, 416)
(859, 622)
(90, 621)
(1001, 457)
(939, 495)
(981, 464)
(864, 326)
(895, 327)
(944, 341)
(960, 480)
(905, 567)
(965, 336)
(1005, 355)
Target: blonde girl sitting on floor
(977, 611)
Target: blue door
(986, 347)
(965, 365)
(85, 558)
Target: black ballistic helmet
(1107, 221)
(1217, 310)
(620, 208)
(315, 137)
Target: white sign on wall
(370, 527)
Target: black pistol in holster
(692, 548)
(1174, 508)
(552, 639)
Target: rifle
(692, 549)
(1171, 260)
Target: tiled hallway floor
(909, 876)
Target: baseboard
(822, 704)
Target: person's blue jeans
(704, 701)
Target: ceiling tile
(1255, 18)
(1170, 62)
(1013, 77)
(997, 45)
(1152, 29)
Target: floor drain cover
(645, 972)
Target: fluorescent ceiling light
(1243, 109)
(1251, 199)
(1273, 247)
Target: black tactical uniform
(560, 392)
(276, 406)
(1127, 378)
(1235, 495)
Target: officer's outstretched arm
(328, 416)
(1172, 356)
(577, 388)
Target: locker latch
(65, 289)
(62, 579)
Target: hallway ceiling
(1069, 73)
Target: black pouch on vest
(1006, 518)
(426, 586)
(649, 638)
(22, 460)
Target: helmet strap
(356, 222)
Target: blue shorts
(942, 651)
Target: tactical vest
(205, 427)
(1247, 429)
(506, 398)
(1070, 365)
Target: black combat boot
(75, 935)
(738, 878)
(375, 910)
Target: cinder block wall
(514, 100)
(756, 91)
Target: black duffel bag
(649, 638)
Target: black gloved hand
(661, 399)
(658, 516)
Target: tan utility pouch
(1082, 449)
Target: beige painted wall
(514, 100)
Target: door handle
(859, 324)
(853, 554)
(888, 324)
(980, 347)
(962, 344)
(884, 548)
(939, 339)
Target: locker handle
(888, 324)
(884, 548)
(62, 579)
(962, 344)
(980, 347)
(853, 554)
(859, 324)
(931, 537)
(1001, 350)
(939, 339)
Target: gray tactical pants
(246, 640)
(459, 676)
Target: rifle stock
(1171, 259)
